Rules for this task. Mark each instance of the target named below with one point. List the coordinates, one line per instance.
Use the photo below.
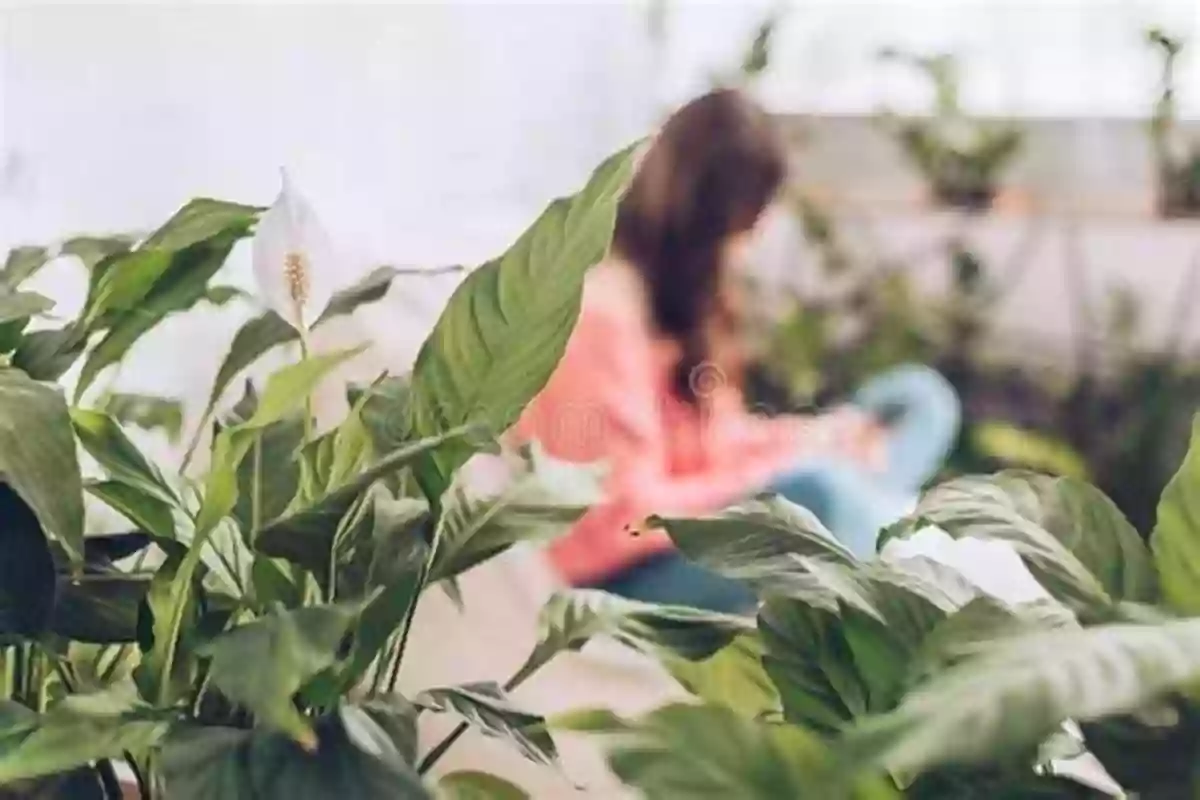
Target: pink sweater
(610, 400)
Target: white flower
(293, 259)
(992, 566)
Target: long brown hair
(713, 169)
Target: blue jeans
(923, 415)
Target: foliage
(931, 675)
(961, 158)
(245, 637)
(1177, 158)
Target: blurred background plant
(1177, 158)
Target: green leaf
(571, 619)
(284, 395)
(385, 412)
(268, 331)
(305, 536)
(1019, 447)
(81, 729)
(224, 295)
(21, 264)
(27, 571)
(506, 326)
(99, 608)
(278, 473)
(687, 752)
(1016, 692)
(146, 411)
(22, 305)
(179, 285)
(162, 676)
(210, 763)
(1176, 537)
(38, 458)
(91, 250)
(470, 785)
(102, 438)
(542, 501)
(287, 648)
(393, 716)
(1004, 507)
(757, 542)
(733, 677)
(141, 508)
(486, 707)
(47, 355)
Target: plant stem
(435, 754)
(308, 415)
(193, 444)
(108, 778)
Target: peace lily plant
(245, 636)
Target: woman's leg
(670, 579)
(923, 414)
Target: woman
(649, 382)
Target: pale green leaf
(471, 785)
(486, 706)
(1176, 538)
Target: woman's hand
(858, 435)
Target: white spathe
(992, 566)
(294, 264)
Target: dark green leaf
(470, 785)
(1176, 537)
(486, 707)
(99, 608)
(27, 571)
(224, 295)
(165, 673)
(506, 326)
(278, 473)
(385, 412)
(229, 764)
(287, 648)
(393, 716)
(79, 730)
(1013, 694)
(685, 752)
(38, 458)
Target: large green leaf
(38, 458)
(1010, 696)
(91, 250)
(27, 571)
(352, 760)
(733, 677)
(47, 355)
(470, 785)
(1090, 526)
(1176, 537)
(269, 330)
(999, 508)
(287, 648)
(143, 509)
(757, 542)
(571, 619)
(486, 707)
(81, 729)
(506, 326)
(685, 752)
